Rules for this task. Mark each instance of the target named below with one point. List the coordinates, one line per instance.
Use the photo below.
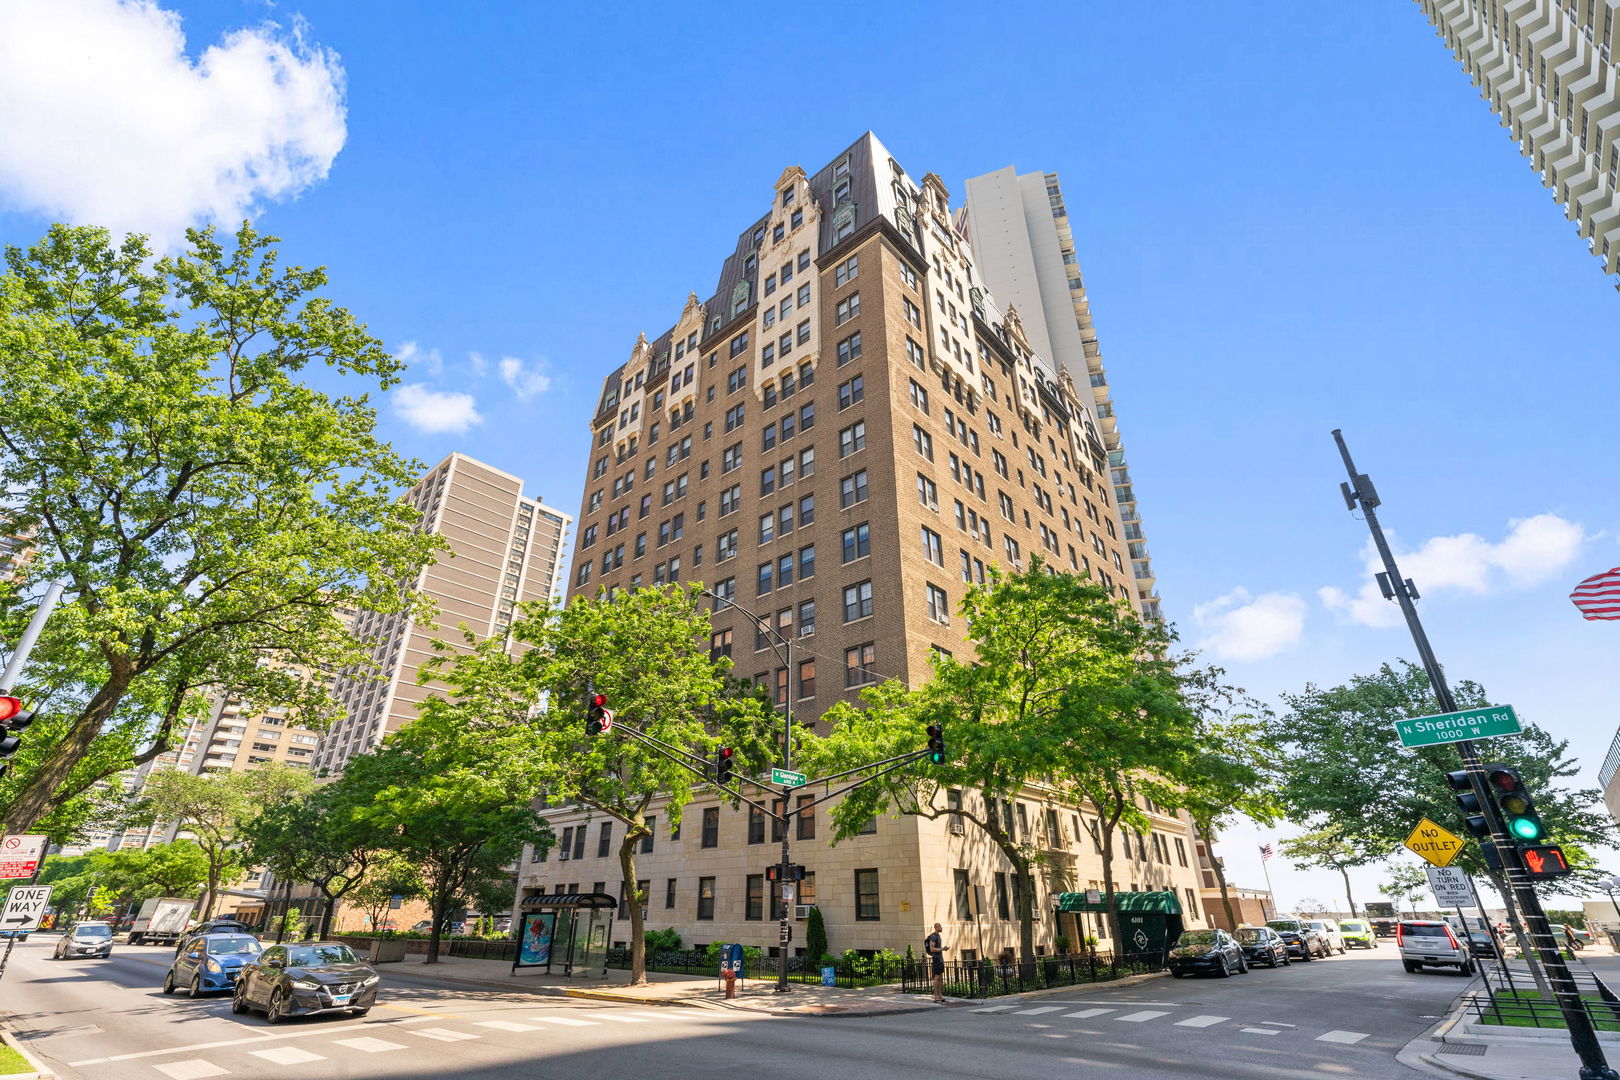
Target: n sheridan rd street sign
(1456, 726)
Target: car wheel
(1287, 961)
(1243, 966)
(1412, 968)
(1305, 955)
(239, 1002)
(273, 1011)
(168, 982)
(1178, 974)
(362, 1012)
(195, 991)
(1225, 971)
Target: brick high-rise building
(842, 437)
(506, 549)
(1548, 70)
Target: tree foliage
(319, 837)
(1326, 848)
(207, 508)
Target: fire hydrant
(730, 977)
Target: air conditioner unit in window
(956, 827)
(802, 911)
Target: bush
(666, 940)
(815, 934)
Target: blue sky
(1291, 217)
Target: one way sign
(25, 905)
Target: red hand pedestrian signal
(1545, 861)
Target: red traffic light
(598, 700)
(1503, 779)
(726, 753)
(9, 707)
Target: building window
(806, 818)
(807, 618)
(927, 492)
(857, 601)
(711, 828)
(754, 904)
(857, 542)
(939, 606)
(852, 489)
(933, 550)
(923, 441)
(867, 908)
(1181, 851)
(964, 894)
(845, 271)
(919, 395)
(705, 904)
(756, 825)
(849, 349)
(852, 439)
(807, 678)
(669, 893)
(604, 840)
(846, 309)
(858, 664)
(652, 832)
(849, 393)
(565, 849)
(1003, 899)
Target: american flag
(1598, 596)
(1265, 852)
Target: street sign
(1433, 843)
(1451, 887)
(1456, 726)
(1093, 896)
(607, 719)
(789, 778)
(19, 855)
(24, 906)
(787, 892)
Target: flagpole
(1272, 892)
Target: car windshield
(234, 946)
(1318, 925)
(1249, 935)
(1283, 924)
(94, 933)
(317, 955)
(1196, 937)
(1354, 927)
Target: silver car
(87, 939)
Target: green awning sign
(1162, 903)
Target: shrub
(815, 933)
(667, 940)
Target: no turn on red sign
(20, 855)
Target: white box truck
(160, 921)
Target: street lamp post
(773, 637)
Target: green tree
(647, 651)
(217, 808)
(1347, 768)
(208, 510)
(1325, 848)
(318, 837)
(1406, 882)
(815, 936)
(387, 876)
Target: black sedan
(1263, 945)
(1212, 952)
(304, 979)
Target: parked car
(1563, 931)
(213, 926)
(1303, 940)
(4, 934)
(86, 939)
(1213, 952)
(1329, 929)
(1358, 934)
(304, 979)
(1430, 943)
(211, 962)
(1262, 945)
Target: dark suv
(1301, 938)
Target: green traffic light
(1524, 828)
(937, 758)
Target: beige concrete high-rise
(505, 549)
(842, 437)
(1019, 227)
(1547, 68)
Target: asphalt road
(1343, 1018)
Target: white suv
(1427, 943)
(1331, 934)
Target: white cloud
(109, 122)
(429, 360)
(435, 411)
(1535, 550)
(525, 381)
(477, 363)
(1239, 626)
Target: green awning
(1162, 903)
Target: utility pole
(19, 657)
(1594, 1066)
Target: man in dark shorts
(934, 948)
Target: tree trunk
(627, 871)
(1220, 878)
(1347, 894)
(36, 798)
(439, 905)
(1026, 906)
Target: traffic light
(1545, 861)
(13, 718)
(1473, 814)
(600, 718)
(773, 872)
(1519, 815)
(725, 763)
(936, 743)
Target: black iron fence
(800, 969)
(985, 978)
(1527, 1008)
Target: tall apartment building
(238, 737)
(505, 549)
(1019, 228)
(842, 437)
(1547, 68)
(188, 741)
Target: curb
(40, 1071)
(1110, 984)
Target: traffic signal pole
(1594, 1066)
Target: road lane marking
(1202, 1021)
(1346, 1037)
(622, 1018)
(506, 1025)
(567, 1021)
(1263, 1031)
(1086, 1013)
(1138, 1017)
(287, 1055)
(994, 1008)
(370, 1046)
(194, 1069)
(1117, 1001)
(442, 1034)
(1039, 1010)
(437, 1013)
(305, 1034)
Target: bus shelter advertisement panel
(534, 947)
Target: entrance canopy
(591, 900)
(1159, 903)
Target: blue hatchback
(210, 962)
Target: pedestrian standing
(934, 948)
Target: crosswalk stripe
(371, 1046)
(1202, 1021)
(1342, 1037)
(1085, 1013)
(1263, 1031)
(993, 1008)
(506, 1025)
(1145, 1014)
(287, 1055)
(193, 1069)
(1038, 1010)
(566, 1021)
(443, 1034)
(623, 1018)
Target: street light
(1611, 885)
(772, 637)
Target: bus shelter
(566, 930)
